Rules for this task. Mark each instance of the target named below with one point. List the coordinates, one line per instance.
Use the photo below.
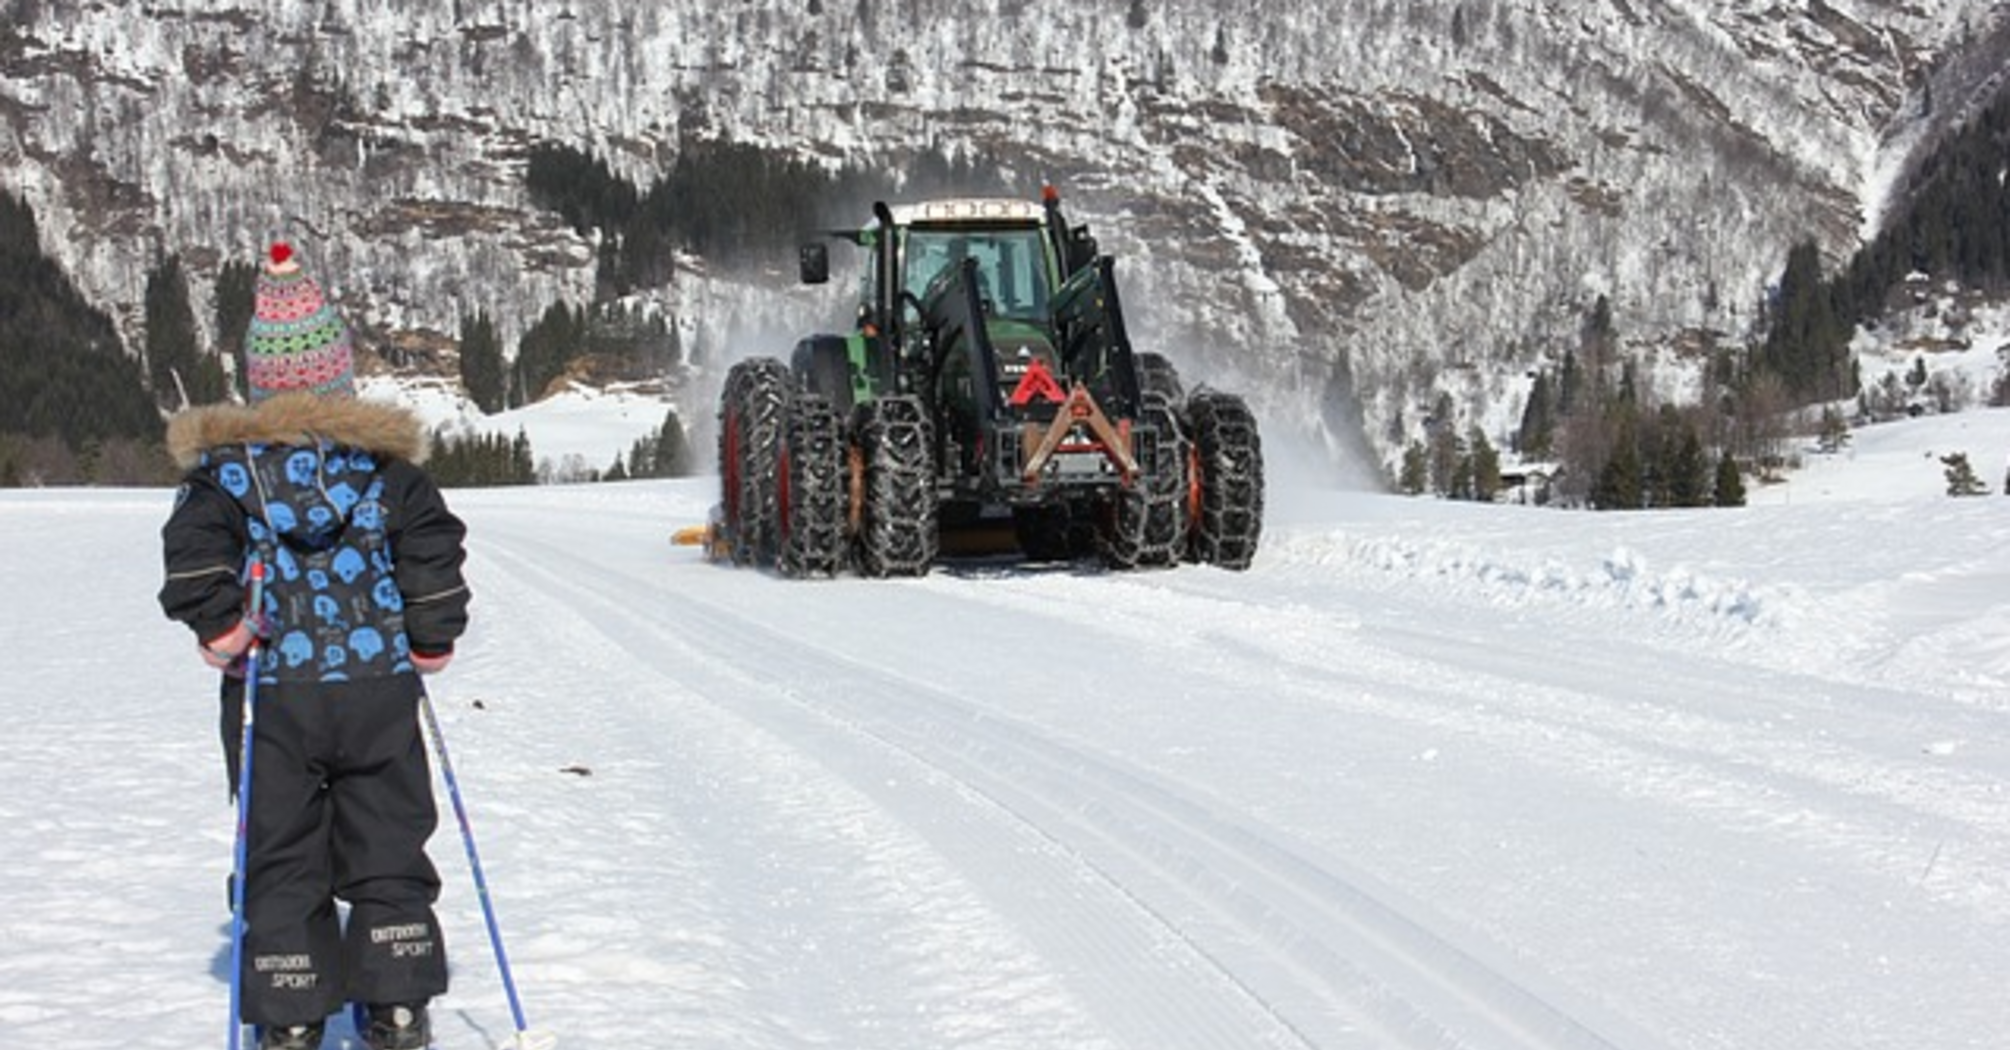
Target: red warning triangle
(1037, 382)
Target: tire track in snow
(1329, 961)
(1662, 743)
(742, 679)
(822, 927)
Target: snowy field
(1431, 775)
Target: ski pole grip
(254, 603)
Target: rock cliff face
(1343, 206)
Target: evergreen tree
(1730, 487)
(1570, 385)
(522, 465)
(661, 453)
(1538, 425)
(1689, 485)
(732, 203)
(673, 448)
(1620, 481)
(545, 352)
(231, 305)
(583, 190)
(181, 374)
(1601, 334)
(1618, 486)
(1629, 384)
(64, 372)
(480, 460)
(642, 456)
(1955, 223)
(1961, 479)
(483, 374)
(1807, 345)
(1460, 484)
(1416, 470)
(1446, 450)
(1486, 467)
(636, 344)
(1658, 442)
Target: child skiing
(362, 592)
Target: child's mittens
(431, 663)
(224, 650)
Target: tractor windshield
(1011, 266)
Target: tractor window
(868, 294)
(1011, 264)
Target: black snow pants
(341, 808)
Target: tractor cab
(1015, 279)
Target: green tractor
(987, 400)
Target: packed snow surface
(1430, 775)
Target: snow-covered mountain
(1340, 206)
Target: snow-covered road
(1225, 931)
(1427, 777)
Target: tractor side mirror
(1082, 248)
(814, 262)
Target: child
(362, 593)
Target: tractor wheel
(731, 401)
(1225, 493)
(1156, 375)
(1149, 528)
(757, 434)
(811, 493)
(898, 533)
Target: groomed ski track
(1042, 774)
(1258, 941)
(1425, 778)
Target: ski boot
(397, 1026)
(290, 1037)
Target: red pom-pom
(281, 251)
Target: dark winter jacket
(363, 558)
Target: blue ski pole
(525, 1038)
(242, 848)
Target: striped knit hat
(297, 340)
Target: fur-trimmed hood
(299, 419)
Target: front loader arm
(955, 317)
(1089, 332)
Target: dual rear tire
(1224, 501)
(805, 493)
(1200, 496)
(752, 409)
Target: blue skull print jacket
(361, 557)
